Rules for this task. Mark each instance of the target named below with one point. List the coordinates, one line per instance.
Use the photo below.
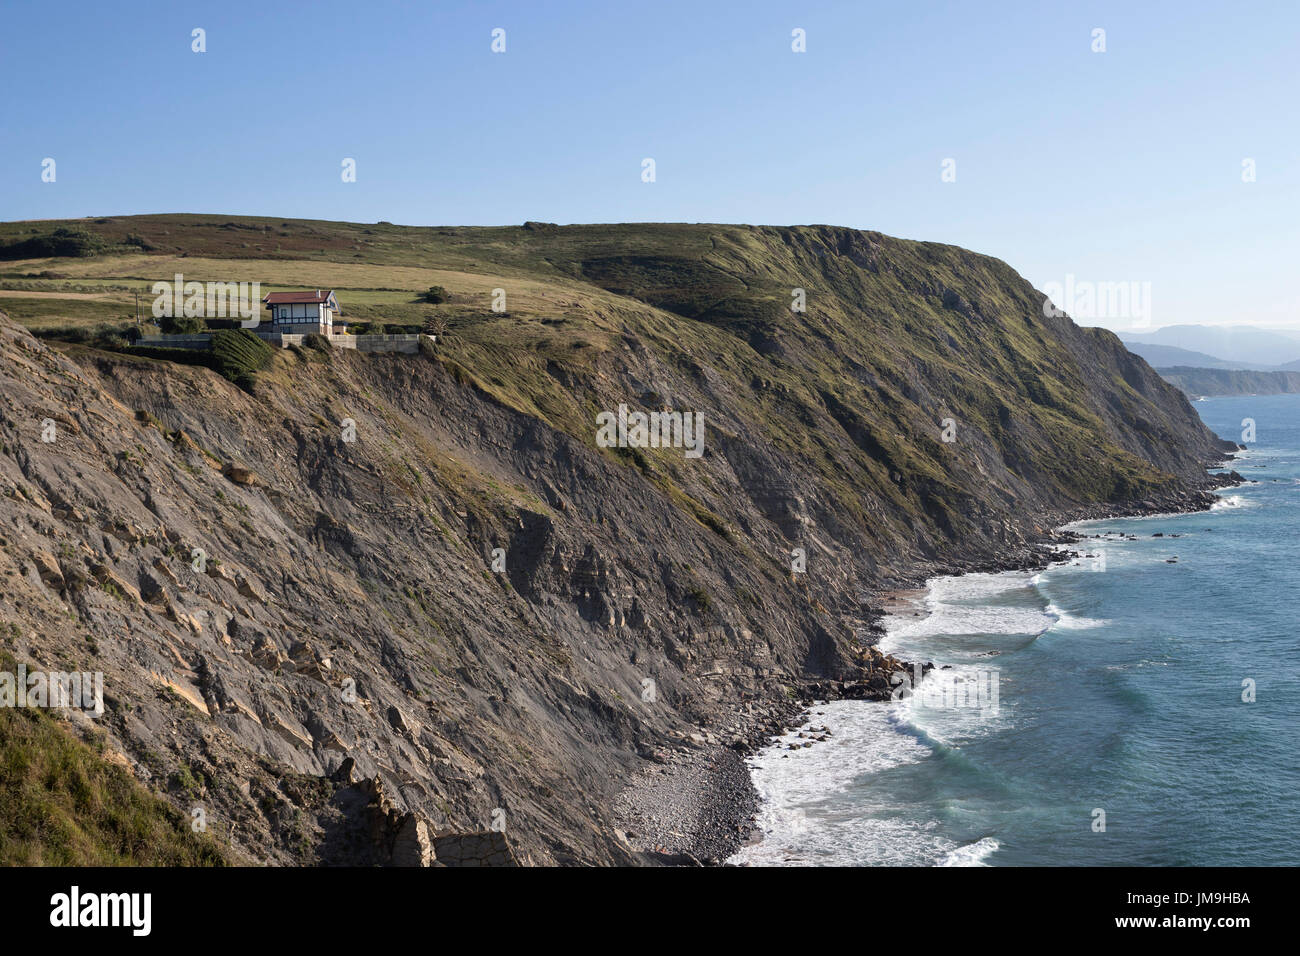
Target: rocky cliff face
(388, 601)
(1218, 381)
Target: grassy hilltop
(891, 326)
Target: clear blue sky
(1115, 166)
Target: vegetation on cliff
(64, 802)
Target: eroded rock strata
(305, 635)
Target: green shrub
(435, 295)
(68, 242)
(108, 334)
(383, 328)
(181, 324)
(239, 355)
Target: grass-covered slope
(64, 802)
(896, 333)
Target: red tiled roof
(283, 298)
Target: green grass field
(376, 271)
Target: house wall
(299, 315)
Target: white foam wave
(1068, 621)
(833, 764)
(972, 854)
(806, 816)
(954, 608)
(799, 816)
(1231, 502)
(948, 620)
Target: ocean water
(1110, 685)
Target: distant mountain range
(1221, 360)
(1217, 346)
(1167, 356)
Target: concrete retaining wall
(197, 340)
(409, 344)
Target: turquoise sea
(1159, 698)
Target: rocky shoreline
(696, 805)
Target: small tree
(436, 295)
(435, 325)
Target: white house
(301, 312)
